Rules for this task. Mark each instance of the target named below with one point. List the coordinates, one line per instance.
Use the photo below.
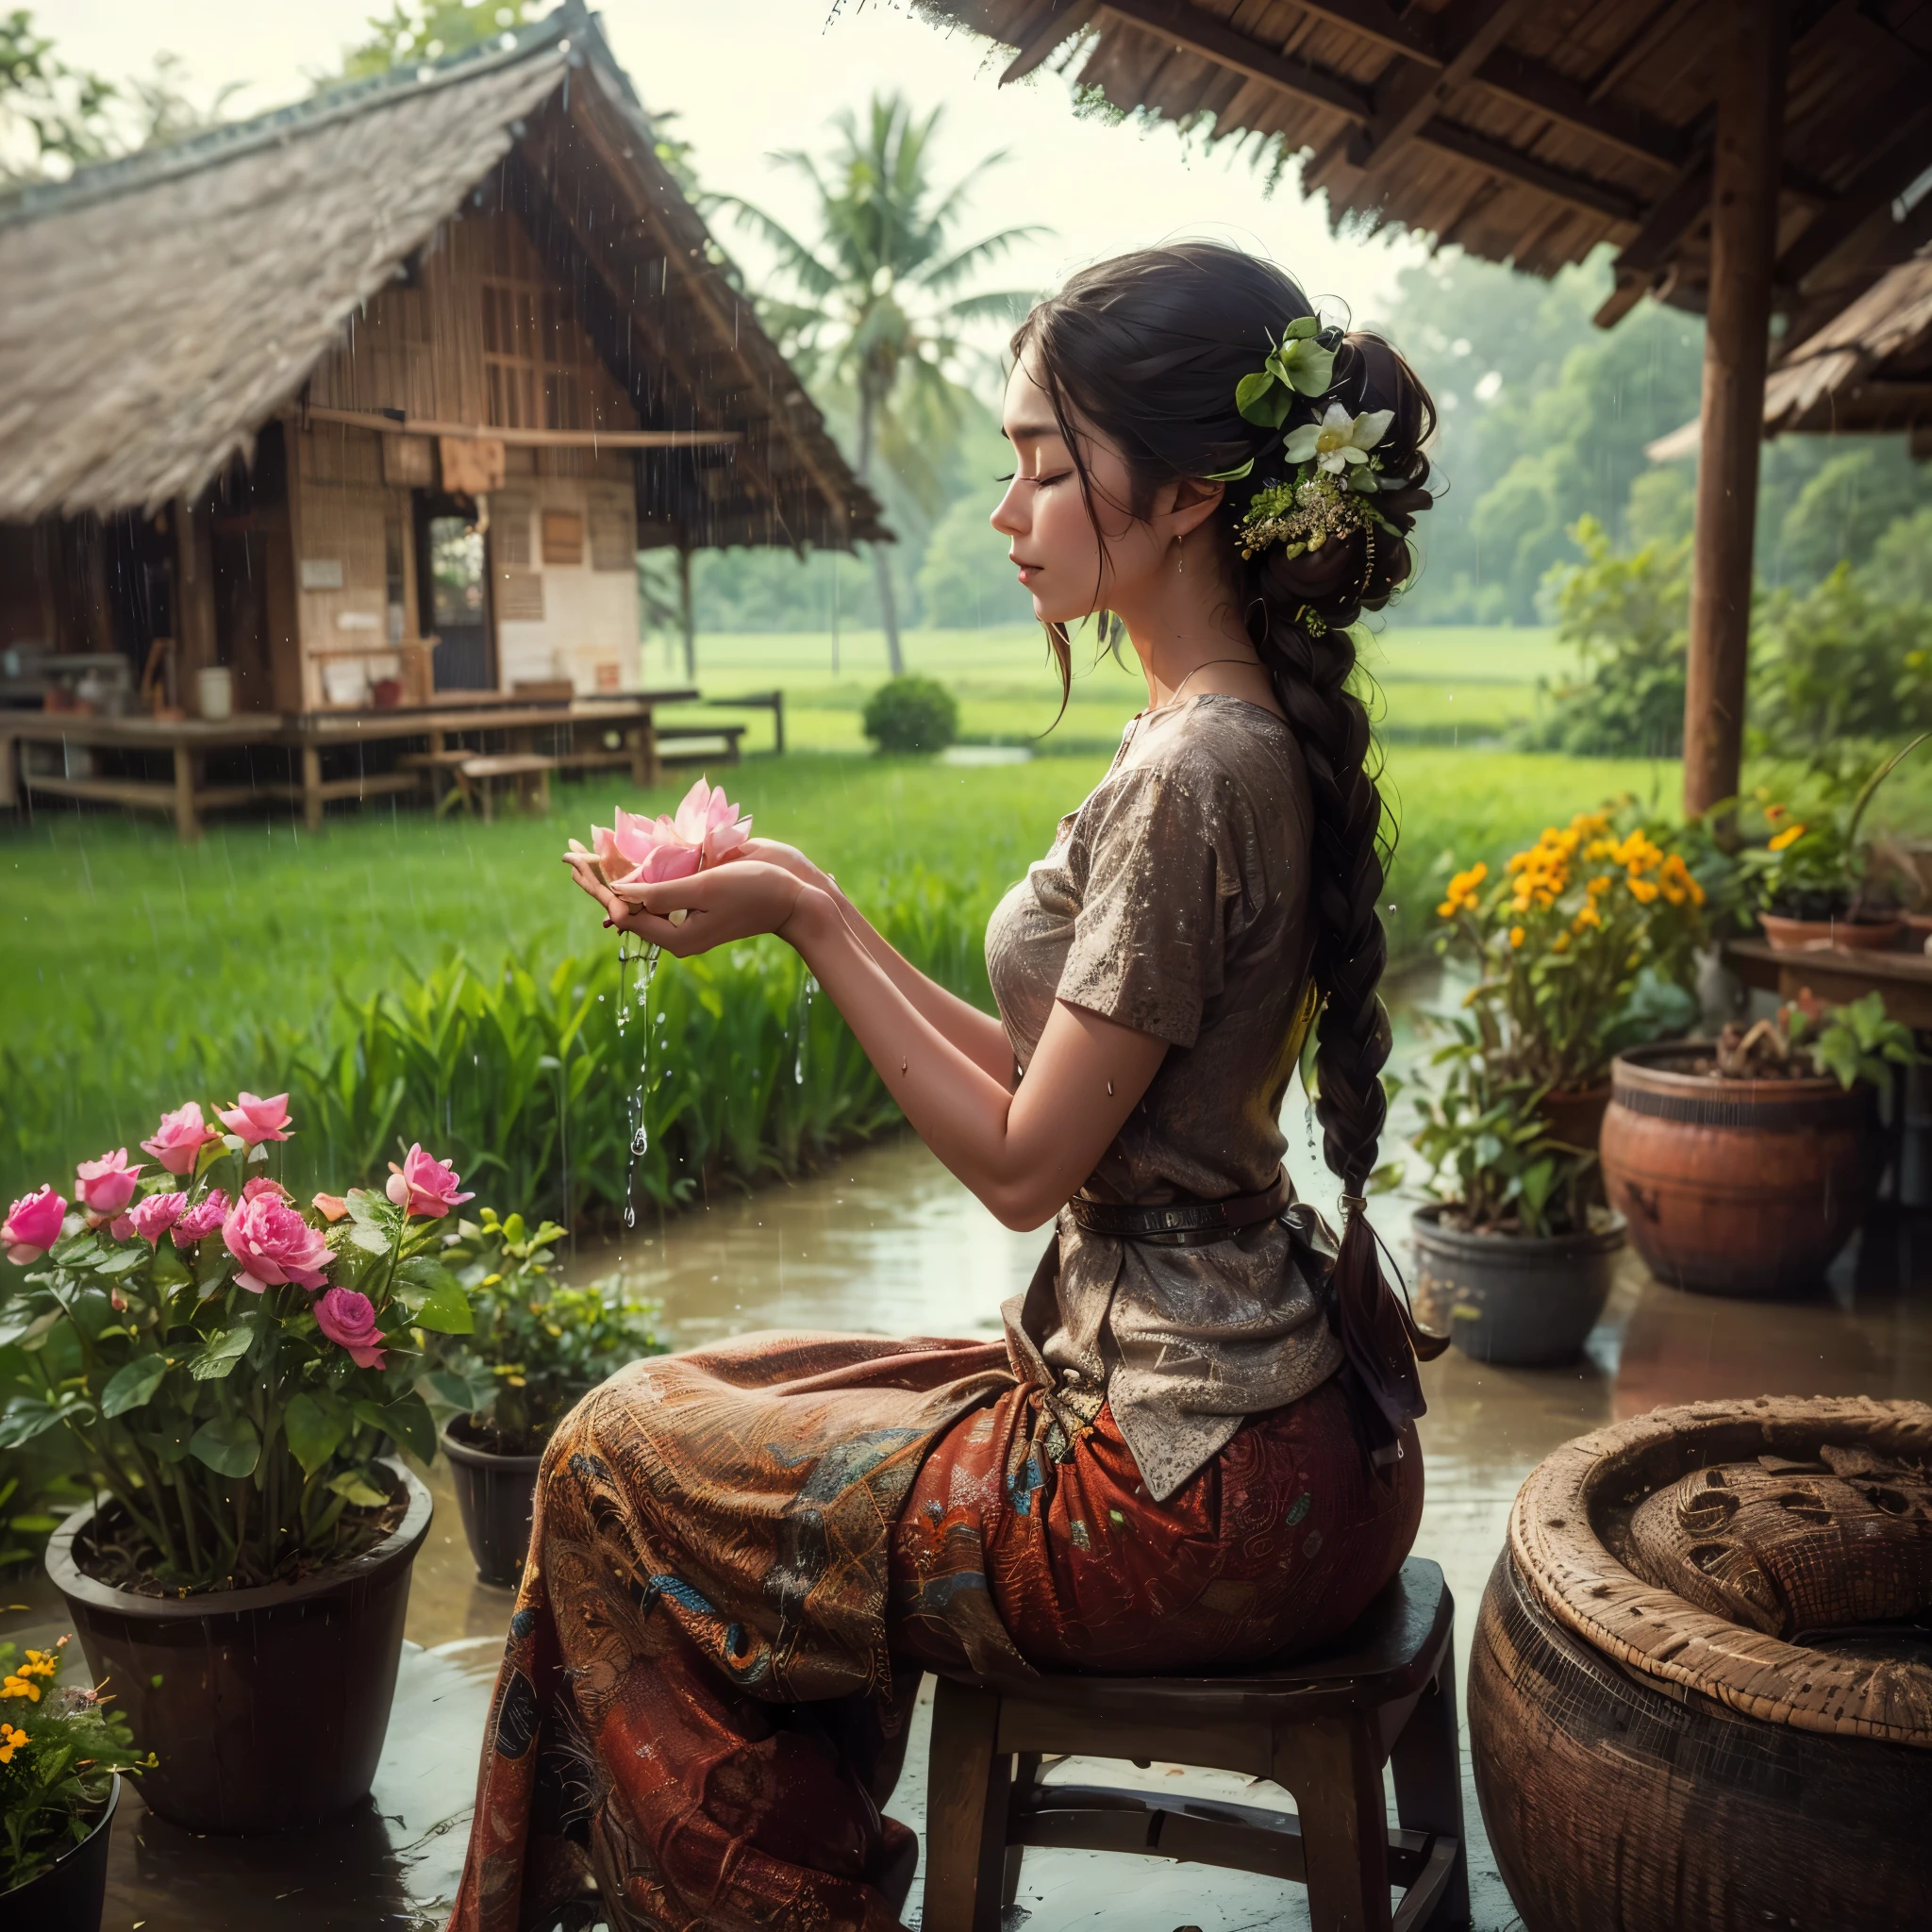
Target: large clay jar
(1695, 1704)
(1736, 1187)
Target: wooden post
(687, 617)
(194, 595)
(311, 788)
(1743, 237)
(187, 818)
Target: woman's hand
(723, 903)
(787, 857)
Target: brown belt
(1211, 1219)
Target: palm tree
(879, 303)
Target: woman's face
(1044, 514)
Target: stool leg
(967, 1792)
(1426, 1765)
(1026, 1776)
(1344, 1818)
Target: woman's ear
(1181, 508)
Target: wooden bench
(1323, 1727)
(694, 744)
(479, 774)
(772, 701)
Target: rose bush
(229, 1364)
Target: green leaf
(1300, 328)
(23, 1418)
(354, 1486)
(215, 1261)
(122, 1261)
(169, 1270)
(228, 1444)
(133, 1384)
(315, 1426)
(446, 1311)
(223, 1351)
(1261, 399)
(409, 1421)
(371, 1414)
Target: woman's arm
(1024, 1152)
(980, 1035)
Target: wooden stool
(1323, 1727)
(528, 771)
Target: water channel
(886, 1240)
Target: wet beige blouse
(1176, 901)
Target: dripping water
(802, 1026)
(638, 1098)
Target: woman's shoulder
(1223, 753)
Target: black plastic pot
(267, 1707)
(69, 1894)
(1511, 1299)
(495, 1494)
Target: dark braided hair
(1147, 350)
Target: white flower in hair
(1339, 441)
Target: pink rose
(152, 1215)
(331, 1206)
(106, 1186)
(639, 851)
(261, 1185)
(255, 1119)
(33, 1225)
(349, 1319)
(422, 1184)
(274, 1244)
(180, 1138)
(202, 1219)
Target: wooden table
(1838, 973)
(309, 735)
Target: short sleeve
(1150, 940)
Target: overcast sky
(747, 77)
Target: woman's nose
(1006, 518)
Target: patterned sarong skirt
(743, 1559)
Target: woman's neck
(1188, 635)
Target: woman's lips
(1027, 571)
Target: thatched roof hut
(471, 290)
(1869, 370)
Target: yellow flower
(11, 1739)
(1517, 936)
(1560, 943)
(1642, 891)
(1589, 916)
(40, 1664)
(17, 1686)
(1790, 836)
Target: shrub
(911, 715)
(1840, 662)
(1627, 617)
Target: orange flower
(1790, 836)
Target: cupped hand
(723, 903)
(787, 857)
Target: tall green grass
(411, 978)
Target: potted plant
(1803, 867)
(233, 1367)
(1743, 1165)
(61, 1753)
(1586, 942)
(537, 1347)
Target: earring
(1180, 559)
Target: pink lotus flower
(261, 1185)
(348, 1319)
(106, 1186)
(151, 1216)
(202, 1219)
(180, 1138)
(255, 1119)
(33, 1225)
(274, 1244)
(648, 852)
(422, 1184)
(331, 1206)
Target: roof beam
(1561, 184)
(1526, 84)
(1898, 159)
(1376, 21)
(1194, 32)
(1469, 32)
(1672, 215)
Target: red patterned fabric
(740, 1559)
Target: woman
(1195, 1447)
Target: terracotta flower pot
(1736, 1187)
(1525, 1302)
(1809, 935)
(495, 1494)
(266, 1707)
(69, 1894)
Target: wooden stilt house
(375, 399)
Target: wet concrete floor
(888, 1242)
